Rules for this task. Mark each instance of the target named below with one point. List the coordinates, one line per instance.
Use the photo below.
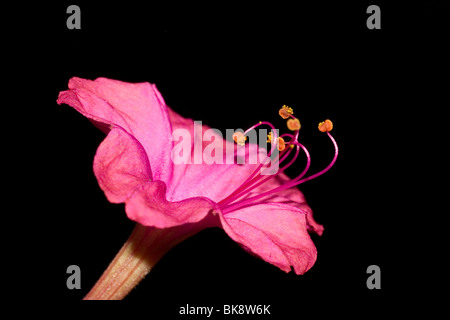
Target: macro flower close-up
(154, 161)
(224, 160)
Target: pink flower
(266, 215)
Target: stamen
(281, 142)
(249, 184)
(293, 124)
(285, 112)
(336, 151)
(326, 126)
(232, 202)
(273, 130)
(252, 186)
(239, 138)
(250, 180)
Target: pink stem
(143, 249)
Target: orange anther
(281, 144)
(293, 124)
(285, 112)
(326, 126)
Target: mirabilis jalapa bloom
(265, 214)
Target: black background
(231, 66)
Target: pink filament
(249, 184)
(228, 204)
(257, 170)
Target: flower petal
(121, 165)
(214, 181)
(136, 107)
(292, 196)
(275, 232)
(149, 206)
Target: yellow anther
(293, 124)
(285, 112)
(326, 126)
(239, 138)
(269, 137)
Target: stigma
(289, 147)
